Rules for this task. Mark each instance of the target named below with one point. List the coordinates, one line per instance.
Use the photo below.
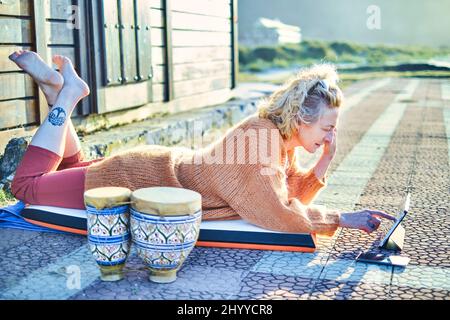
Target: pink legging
(45, 178)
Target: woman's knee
(23, 188)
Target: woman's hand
(366, 220)
(329, 150)
(329, 147)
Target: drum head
(106, 197)
(166, 201)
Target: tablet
(397, 222)
(382, 258)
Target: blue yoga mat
(10, 217)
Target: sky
(411, 22)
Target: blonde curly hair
(299, 99)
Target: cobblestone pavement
(393, 136)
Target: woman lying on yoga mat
(250, 173)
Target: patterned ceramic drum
(108, 227)
(165, 225)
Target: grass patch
(6, 199)
(247, 77)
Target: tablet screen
(389, 226)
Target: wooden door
(127, 41)
(112, 74)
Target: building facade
(267, 32)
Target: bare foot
(49, 80)
(73, 84)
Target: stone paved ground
(393, 136)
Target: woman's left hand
(329, 148)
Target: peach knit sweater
(271, 192)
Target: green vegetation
(6, 198)
(375, 57)
(311, 51)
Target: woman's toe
(14, 55)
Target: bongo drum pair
(163, 223)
